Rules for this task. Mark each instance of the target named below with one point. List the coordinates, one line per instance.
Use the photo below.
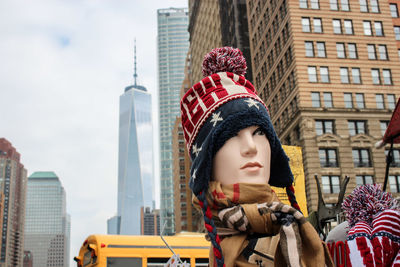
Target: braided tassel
(292, 197)
(212, 231)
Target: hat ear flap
(280, 173)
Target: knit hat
(217, 108)
(374, 218)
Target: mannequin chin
(244, 158)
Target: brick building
(328, 70)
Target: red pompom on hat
(224, 59)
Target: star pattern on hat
(196, 150)
(251, 102)
(216, 118)
(194, 174)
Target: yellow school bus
(138, 251)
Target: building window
(352, 50)
(337, 27)
(380, 103)
(324, 73)
(328, 103)
(348, 26)
(394, 11)
(384, 125)
(376, 79)
(391, 101)
(315, 100)
(330, 184)
(360, 100)
(378, 28)
(357, 127)
(387, 77)
(321, 49)
(398, 53)
(305, 22)
(348, 100)
(318, 25)
(314, 4)
(361, 157)
(340, 50)
(312, 74)
(344, 75)
(324, 126)
(394, 183)
(374, 6)
(327, 157)
(363, 6)
(395, 158)
(303, 3)
(334, 4)
(371, 51)
(397, 32)
(309, 49)
(364, 179)
(345, 5)
(367, 27)
(382, 52)
(356, 74)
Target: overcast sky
(64, 65)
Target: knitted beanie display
(216, 109)
(374, 236)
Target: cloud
(64, 66)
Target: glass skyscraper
(135, 163)
(47, 224)
(173, 44)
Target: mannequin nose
(248, 145)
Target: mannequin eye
(259, 131)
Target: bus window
(160, 262)
(122, 262)
(90, 256)
(87, 258)
(201, 262)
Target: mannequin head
(244, 158)
(219, 118)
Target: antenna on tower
(134, 74)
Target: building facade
(28, 260)
(173, 43)
(13, 178)
(187, 218)
(149, 221)
(328, 71)
(205, 33)
(135, 162)
(234, 28)
(47, 224)
(215, 24)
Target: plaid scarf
(257, 239)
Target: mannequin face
(244, 158)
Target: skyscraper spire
(135, 74)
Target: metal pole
(173, 252)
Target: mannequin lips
(252, 165)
